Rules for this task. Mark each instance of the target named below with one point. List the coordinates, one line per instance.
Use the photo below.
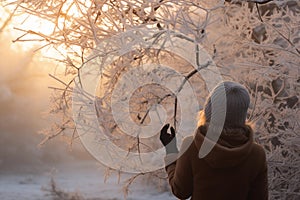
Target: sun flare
(30, 31)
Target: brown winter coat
(235, 169)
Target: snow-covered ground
(85, 178)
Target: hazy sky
(24, 102)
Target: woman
(235, 168)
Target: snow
(85, 178)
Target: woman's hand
(168, 139)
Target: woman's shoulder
(257, 155)
(258, 149)
(187, 140)
(187, 144)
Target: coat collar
(233, 146)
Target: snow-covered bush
(261, 50)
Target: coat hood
(233, 146)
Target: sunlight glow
(23, 22)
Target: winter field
(80, 180)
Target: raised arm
(180, 172)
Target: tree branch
(251, 1)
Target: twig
(175, 113)
(6, 22)
(258, 12)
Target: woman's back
(238, 172)
(235, 168)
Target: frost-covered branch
(252, 1)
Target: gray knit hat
(237, 101)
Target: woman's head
(237, 102)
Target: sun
(30, 31)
